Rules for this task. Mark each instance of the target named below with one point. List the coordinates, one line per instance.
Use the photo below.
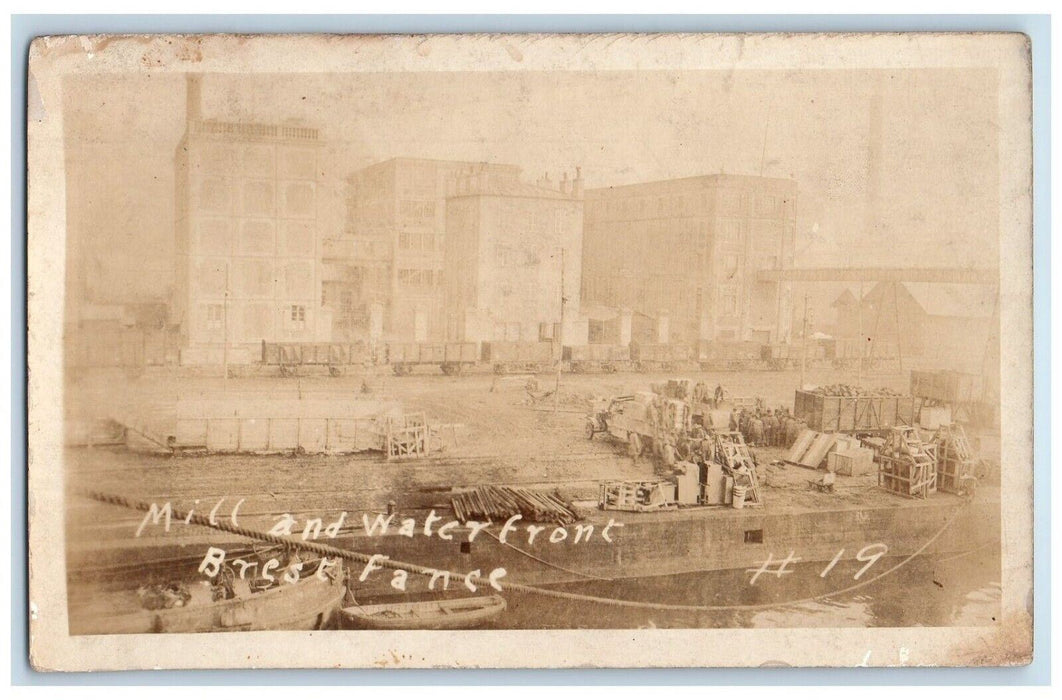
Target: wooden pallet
(407, 437)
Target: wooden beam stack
(499, 503)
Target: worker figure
(653, 415)
(756, 431)
(768, 428)
(683, 447)
(700, 392)
(792, 431)
(696, 455)
(719, 395)
(786, 430)
(708, 449)
(668, 452)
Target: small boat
(308, 604)
(455, 613)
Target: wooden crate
(907, 476)
(955, 461)
(857, 462)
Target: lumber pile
(499, 503)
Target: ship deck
(493, 434)
(308, 488)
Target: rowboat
(456, 613)
(308, 604)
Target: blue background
(25, 27)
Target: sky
(936, 203)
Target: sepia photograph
(530, 350)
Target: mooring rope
(332, 551)
(550, 564)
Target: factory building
(941, 323)
(513, 249)
(247, 239)
(689, 250)
(384, 275)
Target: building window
(417, 210)
(548, 331)
(298, 316)
(417, 278)
(215, 316)
(416, 241)
(729, 302)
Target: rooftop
(253, 131)
(696, 182)
(958, 300)
(508, 187)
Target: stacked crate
(954, 458)
(908, 466)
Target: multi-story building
(689, 250)
(512, 251)
(246, 228)
(384, 274)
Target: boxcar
(597, 357)
(856, 414)
(452, 358)
(506, 357)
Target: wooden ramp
(811, 448)
(803, 442)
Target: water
(951, 591)
(957, 590)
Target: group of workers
(767, 428)
(702, 394)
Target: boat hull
(308, 605)
(652, 545)
(462, 613)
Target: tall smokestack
(193, 99)
(874, 155)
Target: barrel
(739, 497)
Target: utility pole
(225, 328)
(861, 345)
(804, 343)
(560, 337)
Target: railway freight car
(731, 356)
(659, 357)
(452, 358)
(817, 354)
(337, 358)
(963, 393)
(859, 412)
(508, 356)
(597, 358)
